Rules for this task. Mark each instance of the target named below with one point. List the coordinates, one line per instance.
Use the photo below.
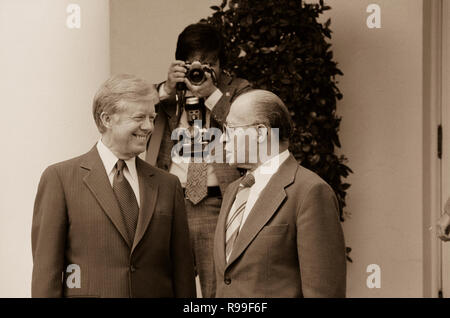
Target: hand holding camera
(176, 74)
(196, 77)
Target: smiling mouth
(141, 137)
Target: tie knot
(120, 165)
(248, 180)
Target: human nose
(147, 124)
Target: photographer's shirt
(180, 168)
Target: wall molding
(432, 169)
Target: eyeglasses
(225, 126)
(226, 129)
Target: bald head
(263, 107)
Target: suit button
(132, 268)
(227, 281)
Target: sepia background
(392, 105)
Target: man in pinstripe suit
(109, 215)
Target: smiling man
(107, 224)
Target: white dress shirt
(262, 175)
(180, 168)
(130, 173)
(210, 102)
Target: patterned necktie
(127, 200)
(196, 183)
(234, 218)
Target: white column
(49, 75)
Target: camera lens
(196, 76)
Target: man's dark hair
(200, 38)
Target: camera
(196, 72)
(196, 118)
(195, 109)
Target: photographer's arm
(231, 90)
(162, 92)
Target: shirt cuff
(212, 100)
(162, 92)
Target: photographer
(197, 73)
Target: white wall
(144, 33)
(49, 75)
(381, 130)
(381, 134)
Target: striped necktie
(234, 218)
(127, 200)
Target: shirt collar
(265, 171)
(109, 160)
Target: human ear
(106, 119)
(262, 133)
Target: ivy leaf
(263, 28)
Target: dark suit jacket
(231, 88)
(291, 244)
(77, 220)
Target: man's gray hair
(121, 87)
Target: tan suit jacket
(77, 220)
(291, 244)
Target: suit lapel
(173, 122)
(224, 82)
(227, 203)
(148, 191)
(97, 181)
(170, 109)
(221, 109)
(268, 202)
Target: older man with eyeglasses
(278, 233)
